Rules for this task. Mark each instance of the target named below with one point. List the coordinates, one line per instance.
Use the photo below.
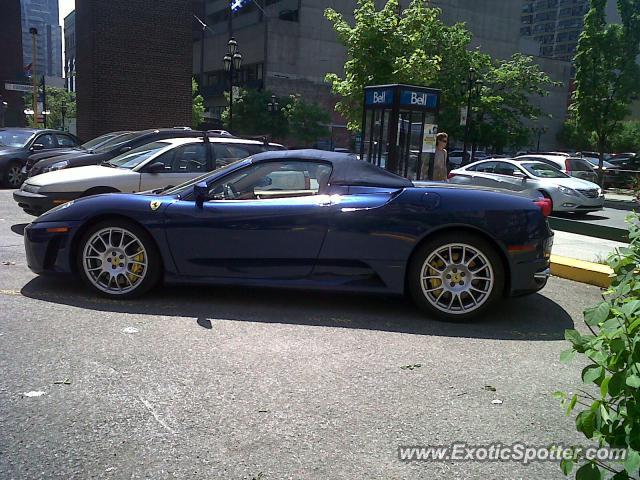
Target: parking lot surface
(248, 383)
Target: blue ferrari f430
(305, 219)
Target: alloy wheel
(115, 260)
(14, 176)
(457, 278)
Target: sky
(65, 7)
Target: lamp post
(63, 111)
(34, 54)
(471, 86)
(232, 62)
(539, 131)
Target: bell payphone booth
(399, 128)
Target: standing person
(440, 158)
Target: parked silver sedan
(568, 194)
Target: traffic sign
(18, 87)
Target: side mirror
(37, 146)
(201, 193)
(156, 167)
(520, 175)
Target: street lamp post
(34, 44)
(63, 111)
(471, 86)
(539, 131)
(232, 63)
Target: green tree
(414, 46)
(197, 112)
(307, 121)
(56, 98)
(607, 75)
(251, 115)
(627, 137)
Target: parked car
(629, 162)
(16, 144)
(612, 174)
(455, 157)
(111, 149)
(572, 166)
(567, 194)
(156, 165)
(308, 218)
(88, 147)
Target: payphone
(399, 127)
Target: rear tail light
(567, 166)
(545, 206)
(451, 175)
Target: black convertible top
(346, 168)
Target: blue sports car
(306, 219)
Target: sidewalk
(582, 258)
(621, 199)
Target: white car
(567, 194)
(572, 166)
(156, 165)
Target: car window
(268, 180)
(138, 155)
(46, 140)
(185, 159)
(504, 168)
(117, 142)
(484, 167)
(226, 153)
(65, 141)
(579, 165)
(13, 138)
(542, 170)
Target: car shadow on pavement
(534, 317)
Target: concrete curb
(581, 271)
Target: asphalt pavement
(231, 383)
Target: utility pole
(44, 102)
(34, 44)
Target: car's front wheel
(118, 259)
(456, 276)
(12, 177)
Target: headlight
(599, 191)
(568, 191)
(56, 166)
(26, 187)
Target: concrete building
(133, 65)
(70, 51)
(42, 15)
(293, 50)
(11, 68)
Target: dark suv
(16, 144)
(112, 148)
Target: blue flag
(237, 4)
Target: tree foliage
(607, 75)
(414, 46)
(56, 97)
(307, 121)
(197, 112)
(612, 374)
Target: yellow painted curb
(581, 271)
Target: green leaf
(572, 404)
(585, 423)
(631, 307)
(566, 465)
(567, 355)
(616, 384)
(617, 345)
(633, 326)
(573, 336)
(632, 462)
(604, 387)
(598, 314)
(592, 373)
(633, 381)
(559, 395)
(588, 471)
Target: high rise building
(70, 51)
(11, 68)
(42, 15)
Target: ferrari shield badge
(155, 204)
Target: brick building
(134, 65)
(11, 60)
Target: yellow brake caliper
(137, 268)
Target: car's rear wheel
(12, 177)
(456, 276)
(118, 259)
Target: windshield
(138, 155)
(13, 138)
(99, 140)
(596, 162)
(183, 186)
(116, 142)
(542, 170)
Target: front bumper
(49, 251)
(38, 203)
(581, 203)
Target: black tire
(145, 279)
(467, 274)
(12, 176)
